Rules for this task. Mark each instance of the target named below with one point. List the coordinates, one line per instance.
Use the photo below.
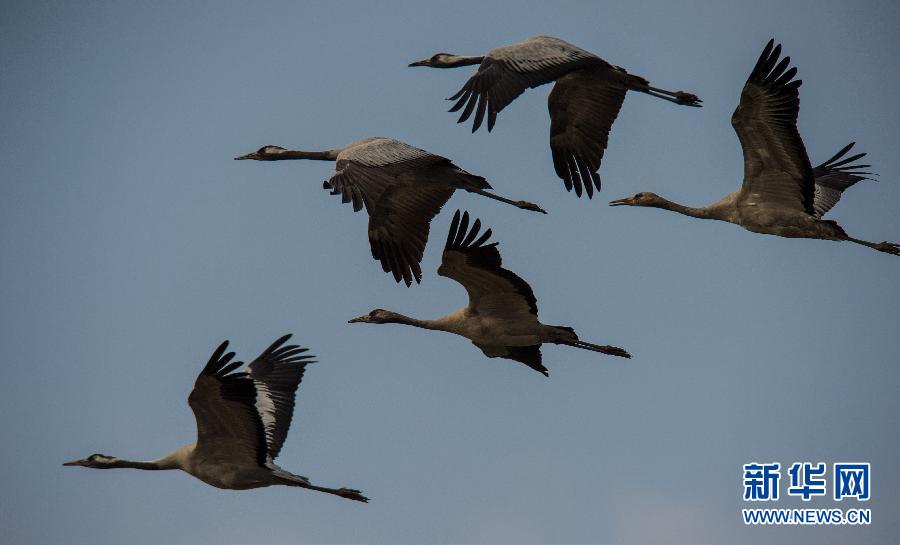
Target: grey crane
(242, 421)
(502, 316)
(583, 104)
(401, 187)
(780, 194)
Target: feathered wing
(357, 184)
(529, 355)
(777, 172)
(493, 290)
(391, 180)
(506, 72)
(365, 169)
(243, 416)
(399, 225)
(834, 176)
(229, 429)
(583, 106)
(276, 374)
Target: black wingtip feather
(479, 253)
(454, 224)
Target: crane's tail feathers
(606, 349)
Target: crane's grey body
(401, 187)
(781, 193)
(501, 318)
(242, 421)
(583, 104)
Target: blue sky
(133, 244)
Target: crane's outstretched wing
(493, 290)
(506, 72)
(276, 374)
(529, 355)
(243, 416)
(399, 225)
(777, 172)
(834, 176)
(583, 106)
(391, 179)
(364, 171)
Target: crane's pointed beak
(620, 202)
(363, 318)
(245, 157)
(423, 62)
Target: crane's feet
(525, 205)
(615, 351)
(888, 247)
(351, 494)
(687, 99)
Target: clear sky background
(132, 244)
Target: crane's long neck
(173, 460)
(460, 60)
(398, 318)
(153, 464)
(327, 155)
(705, 212)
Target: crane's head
(265, 153)
(438, 60)
(99, 461)
(377, 316)
(644, 198)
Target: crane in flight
(781, 194)
(502, 316)
(400, 186)
(583, 104)
(242, 421)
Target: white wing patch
(265, 407)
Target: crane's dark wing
(399, 225)
(529, 355)
(364, 171)
(493, 290)
(358, 184)
(229, 429)
(583, 106)
(506, 72)
(834, 176)
(276, 374)
(243, 416)
(393, 181)
(777, 172)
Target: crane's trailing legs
(605, 349)
(678, 97)
(347, 493)
(886, 247)
(567, 336)
(524, 205)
